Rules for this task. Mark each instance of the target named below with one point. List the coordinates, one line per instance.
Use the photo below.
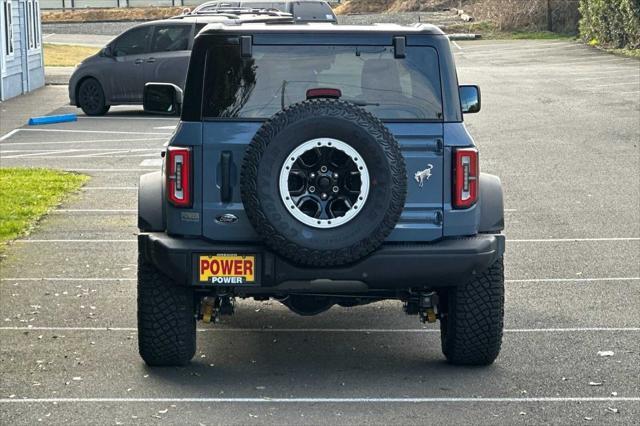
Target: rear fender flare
(151, 216)
(491, 204)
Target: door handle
(139, 61)
(151, 60)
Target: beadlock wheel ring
(310, 175)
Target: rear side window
(133, 42)
(281, 6)
(171, 38)
(312, 11)
(278, 76)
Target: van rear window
(277, 76)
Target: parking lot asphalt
(560, 125)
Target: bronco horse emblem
(423, 175)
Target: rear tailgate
(422, 148)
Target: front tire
(91, 98)
(472, 319)
(166, 318)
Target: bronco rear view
(320, 165)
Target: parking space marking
(601, 78)
(538, 240)
(332, 330)
(9, 134)
(94, 211)
(155, 162)
(55, 153)
(523, 280)
(53, 279)
(84, 117)
(571, 240)
(627, 83)
(109, 188)
(11, 144)
(269, 400)
(504, 47)
(113, 132)
(570, 280)
(77, 169)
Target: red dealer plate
(227, 269)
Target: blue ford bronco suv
(320, 165)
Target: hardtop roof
(323, 28)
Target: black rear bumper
(446, 263)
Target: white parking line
(84, 117)
(334, 330)
(539, 240)
(9, 134)
(94, 211)
(152, 162)
(109, 188)
(525, 280)
(268, 400)
(627, 83)
(76, 169)
(67, 279)
(127, 140)
(511, 47)
(602, 77)
(568, 280)
(55, 153)
(112, 132)
(571, 240)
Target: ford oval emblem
(227, 218)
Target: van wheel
(166, 318)
(472, 317)
(91, 97)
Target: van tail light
(179, 176)
(465, 178)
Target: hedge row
(612, 23)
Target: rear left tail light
(465, 176)
(179, 176)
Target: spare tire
(323, 182)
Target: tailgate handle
(225, 176)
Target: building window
(8, 29)
(36, 22)
(29, 22)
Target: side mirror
(106, 51)
(162, 98)
(470, 99)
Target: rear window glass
(277, 76)
(309, 11)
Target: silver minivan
(152, 51)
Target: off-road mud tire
(472, 322)
(166, 318)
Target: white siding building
(21, 58)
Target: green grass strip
(27, 194)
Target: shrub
(529, 15)
(611, 23)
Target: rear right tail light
(179, 176)
(465, 178)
